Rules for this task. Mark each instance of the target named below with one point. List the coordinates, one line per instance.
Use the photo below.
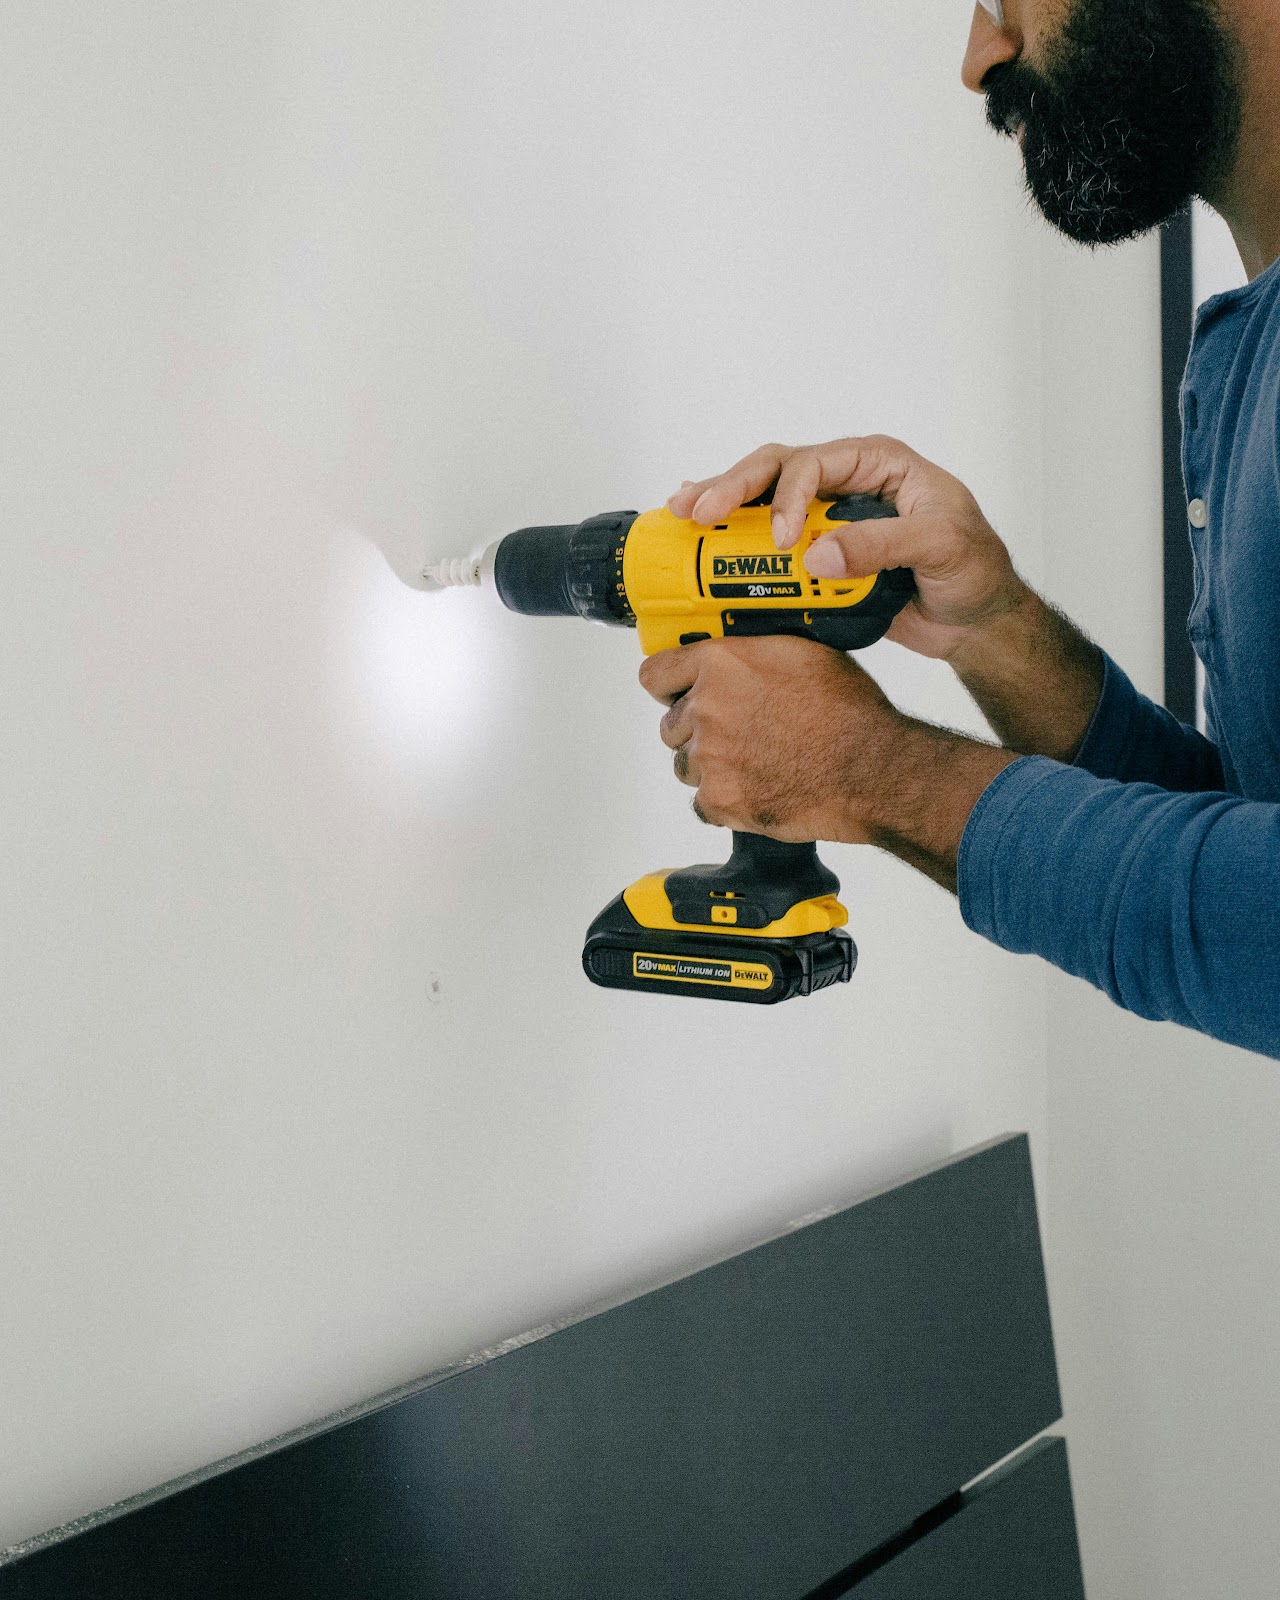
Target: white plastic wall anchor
(461, 572)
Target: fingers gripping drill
(766, 924)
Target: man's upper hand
(1034, 675)
(964, 576)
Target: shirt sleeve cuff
(976, 876)
(1106, 744)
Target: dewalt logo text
(751, 567)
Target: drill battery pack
(622, 954)
(762, 927)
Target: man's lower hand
(788, 738)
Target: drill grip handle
(763, 877)
(765, 857)
(773, 865)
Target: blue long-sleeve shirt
(1151, 867)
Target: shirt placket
(1196, 478)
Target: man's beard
(1137, 108)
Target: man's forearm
(1035, 677)
(1165, 901)
(930, 781)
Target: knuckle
(952, 549)
(765, 465)
(709, 807)
(715, 792)
(669, 729)
(800, 475)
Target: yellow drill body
(680, 578)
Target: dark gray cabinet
(799, 1421)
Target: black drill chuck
(570, 571)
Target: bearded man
(1103, 834)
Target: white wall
(303, 1092)
(1164, 1176)
(1215, 261)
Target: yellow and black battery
(761, 928)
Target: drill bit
(455, 572)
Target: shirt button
(1197, 516)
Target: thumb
(931, 545)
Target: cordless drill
(766, 924)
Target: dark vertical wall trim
(1175, 323)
